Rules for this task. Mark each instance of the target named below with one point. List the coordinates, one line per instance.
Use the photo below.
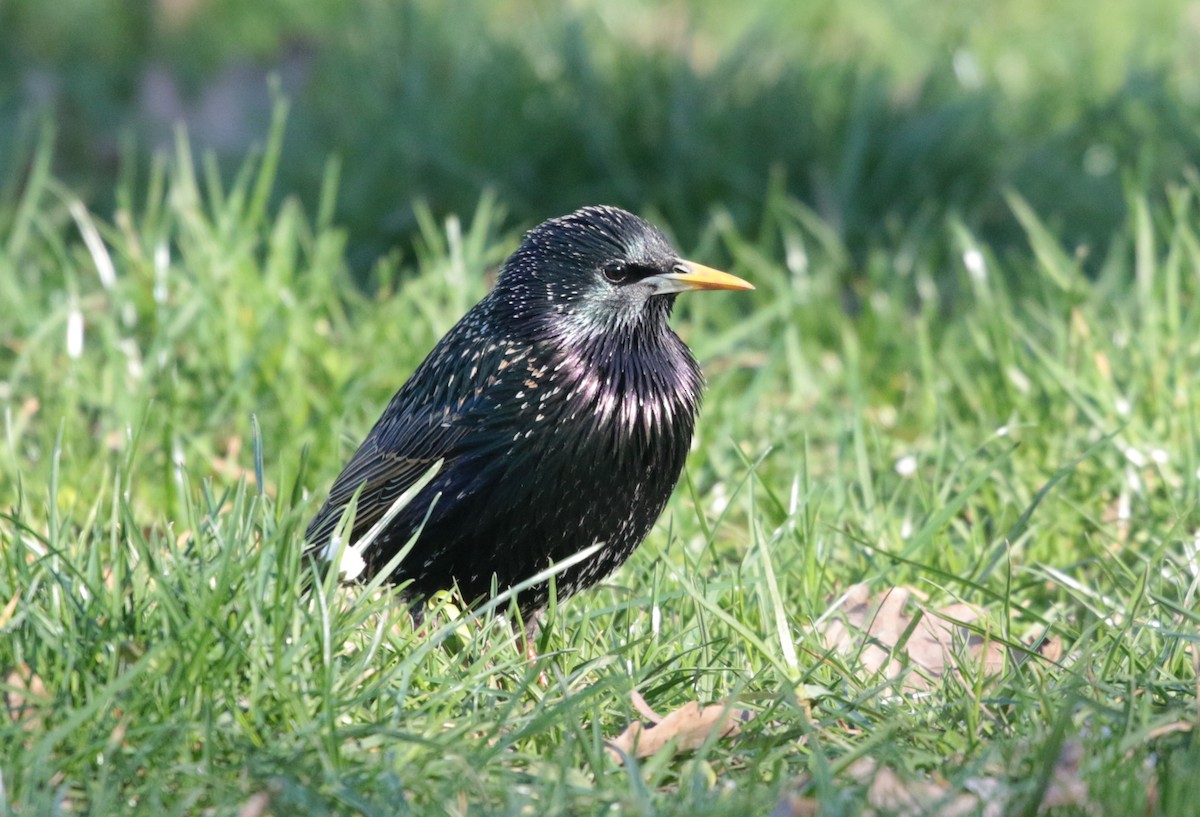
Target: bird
(561, 409)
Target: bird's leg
(416, 611)
(533, 628)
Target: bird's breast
(626, 404)
(569, 450)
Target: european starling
(562, 406)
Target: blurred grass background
(881, 115)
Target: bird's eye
(617, 272)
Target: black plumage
(562, 405)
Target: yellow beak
(690, 275)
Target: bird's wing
(397, 452)
(441, 413)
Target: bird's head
(599, 270)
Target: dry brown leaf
(689, 727)
(1066, 787)
(1166, 729)
(6, 614)
(897, 795)
(1051, 648)
(1116, 515)
(793, 805)
(888, 793)
(24, 695)
(256, 806)
(643, 707)
(924, 798)
(872, 627)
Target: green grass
(157, 470)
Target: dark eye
(618, 272)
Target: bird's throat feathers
(641, 387)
